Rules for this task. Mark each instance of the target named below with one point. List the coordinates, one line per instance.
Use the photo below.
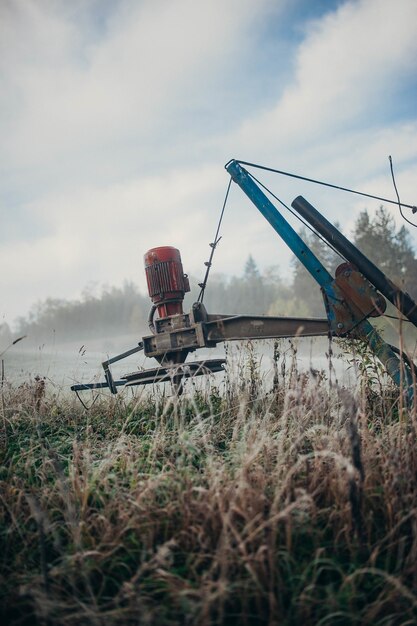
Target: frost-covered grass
(291, 505)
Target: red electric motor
(166, 280)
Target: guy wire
(297, 216)
(398, 196)
(213, 246)
(320, 182)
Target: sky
(117, 117)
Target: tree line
(124, 310)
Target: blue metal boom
(345, 318)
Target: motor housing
(167, 283)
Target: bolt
(340, 325)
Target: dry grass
(291, 506)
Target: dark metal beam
(245, 327)
(392, 292)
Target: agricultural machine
(356, 293)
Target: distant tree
(116, 311)
(251, 271)
(217, 297)
(389, 249)
(252, 292)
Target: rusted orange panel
(360, 291)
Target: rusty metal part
(400, 299)
(183, 334)
(166, 280)
(174, 372)
(352, 300)
(244, 327)
(173, 334)
(359, 290)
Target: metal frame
(338, 306)
(178, 335)
(350, 298)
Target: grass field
(289, 504)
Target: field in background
(281, 499)
(65, 364)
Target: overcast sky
(117, 117)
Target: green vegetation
(295, 504)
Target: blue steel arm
(285, 230)
(363, 330)
(279, 223)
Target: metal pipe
(392, 292)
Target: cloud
(115, 130)
(102, 233)
(152, 64)
(336, 120)
(351, 63)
